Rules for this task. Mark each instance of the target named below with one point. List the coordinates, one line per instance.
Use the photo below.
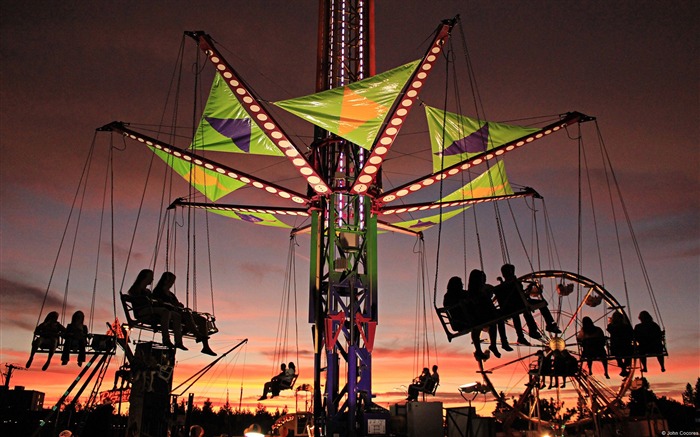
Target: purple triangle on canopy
(472, 143)
(238, 130)
(249, 218)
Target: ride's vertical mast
(343, 282)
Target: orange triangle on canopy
(357, 110)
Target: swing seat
(446, 319)
(430, 387)
(151, 322)
(95, 344)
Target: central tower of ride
(343, 274)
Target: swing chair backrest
(289, 384)
(430, 387)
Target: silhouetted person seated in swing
(273, 385)
(47, 334)
(146, 307)
(649, 338)
(621, 341)
(425, 382)
(592, 341)
(472, 308)
(512, 298)
(419, 383)
(193, 322)
(75, 336)
(288, 378)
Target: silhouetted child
(146, 307)
(649, 338)
(194, 322)
(621, 341)
(76, 336)
(418, 384)
(592, 340)
(46, 335)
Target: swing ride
(357, 116)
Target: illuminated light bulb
(500, 152)
(489, 156)
(233, 175)
(380, 150)
(220, 67)
(384, 141)
(431, 58)
(529, 140)
(321, 188)
(245, 180)
(248, 99)
(297, 199)
(269, 126)
(276, 135)
(306, 171)
(401, 112)
(257, 184)
(254, 108)
(228, 75)
(402, 193)
(520, 143)
(408, 102)
(371, 169)
(215, 59)
(539, 135)
(361, 188)
(453, 172)
(415, 187)
(427, 67)
(178, 154)
(196, 161)
(392, 130)
(299, 162)
(262, 117)
(272, 190)
(435, 50)
(396, 121)
(376, 160)
(417, 84)
(186, 157)
(365, 179)
(389, 198)
(233, 82)
(313, 180)
(209, 166)
(478, 161)
(240, 91)
(428, 182)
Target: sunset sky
(69, 68)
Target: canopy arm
(426, 206)
(251, 103)
(196, 160)
(399, 111)
(418, 184)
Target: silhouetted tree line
(104, 421)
